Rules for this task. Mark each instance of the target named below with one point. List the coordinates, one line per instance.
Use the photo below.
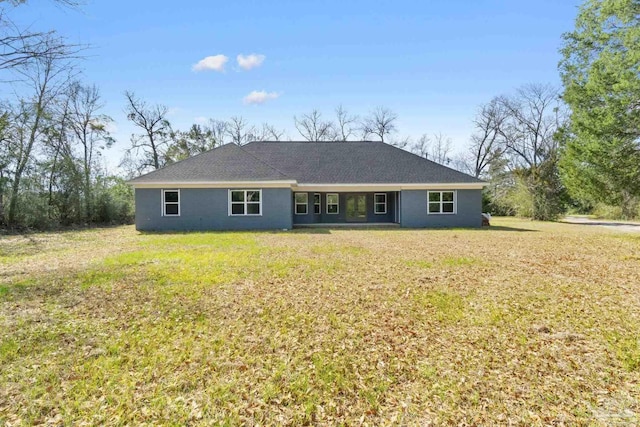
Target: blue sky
(432, 62)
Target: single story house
(280, 185)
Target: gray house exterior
(281, 185)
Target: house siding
(341, 216)
(208, 209)
(413, 208)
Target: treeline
(516, 148)
(52, 136)
(577, 149)
(158, 144)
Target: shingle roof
(353, 163)
(308, 163)
(225, 163)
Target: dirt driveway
(624, 226)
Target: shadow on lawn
(330, 230)
(504, 228)
(312, 230)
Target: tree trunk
(87, 181)
(22, 164)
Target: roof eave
(211, 184)
(391, 186)
(311, 186)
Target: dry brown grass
(522, 324)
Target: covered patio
(346, 208)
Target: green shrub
(611, 212)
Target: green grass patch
(419, 263)
(627, 350)
(459, 261)
(340, 327)
(446, 306)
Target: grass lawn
(523, 324)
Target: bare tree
(5, 160)
(440, 151)
(152, 143)
(437, 149)
(219, 130)
(346, 125)
(18, 46)
(270, 133)
(421, 146)
(312, 128)
(239, 130)
(59, 161)
(533, 118)
(486, 142)
(89, 129)
(47, 75)
(381, 122)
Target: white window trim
(164, 204)
(455, 202)
(337, 204)
(305, 204)
(230, 203)
(376, 203)
(319, 204)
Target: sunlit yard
(525, 324)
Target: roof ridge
(313, 142)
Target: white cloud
(259, 97)
(201, 120)
(211, 63)
(248, 62)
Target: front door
(356, 208)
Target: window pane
(316, 199)
(237, 196)
(447, 207)
(380, 198)
(434, 197)
(447, 196)
(253, 209)
(380, 208)
(171, 196)
(301, 198)
(237, 209)
(332, 209)
(434, 207)
(171, 209)
(301, 209)
(253, 196)
(316, 209)
(332, 199)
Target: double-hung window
(442, 202)
(302, 203)
(170, 202)
(380, 203)
(333, 203)
(245, 202)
